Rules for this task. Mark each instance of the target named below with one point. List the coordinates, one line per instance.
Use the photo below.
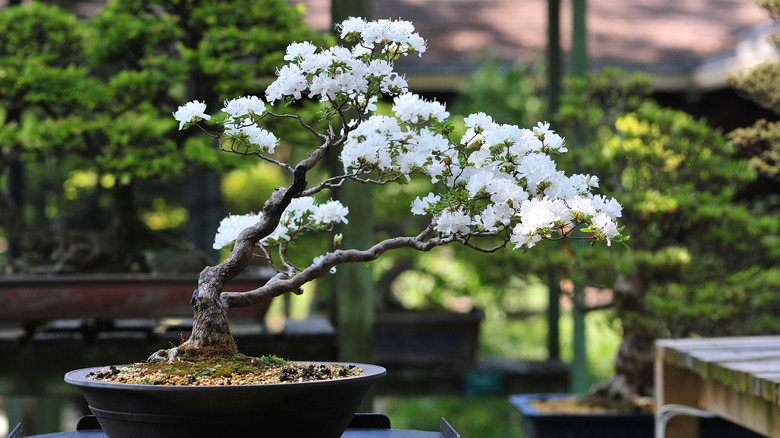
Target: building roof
(682, 43)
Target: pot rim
(79, 378)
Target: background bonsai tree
(761, 142)
(696, 265)
(495, 186)
(84, 105)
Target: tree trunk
(210, 328)
(635, 358)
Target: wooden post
(680, 386)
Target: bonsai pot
(321, 408)
(538, 424)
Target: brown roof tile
(637, 32)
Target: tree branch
(281, 284)
(262, 156)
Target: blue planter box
(536, 424)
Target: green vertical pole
(353, 286)
(579, 56)
(579, 62)
(14, 411)
(553, 96)
(343, 9)
(553, 315)
(553, 57)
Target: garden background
(88, 144)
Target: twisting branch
(280, 284)
(259, 154)
(300, 120)
(336, 182)
(467, 243)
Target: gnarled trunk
(210, 328)
(635, 358)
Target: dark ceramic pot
(320, 408)
(536, 424)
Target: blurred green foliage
(487, 417)
(95, 97)
(761, 141)
(702, 258)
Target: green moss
(213, 365)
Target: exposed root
(168, 355)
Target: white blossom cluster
(510, 178)
(240, 123)
(339, 72)
(302, 214)
(496, 180)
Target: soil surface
(593, 405)
(236, 370)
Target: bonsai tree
(701, 260)
(702, 250)
(90, 98)
(496, 185)
(761, 141)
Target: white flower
(280, 233)
(331, 212)
(298, 208)
(495, 214)
(367, 106)
(351, 25)
(244, 106)
(453, 222)
(478, 120)
(478, 181)
(410, 107)
(379, 68)
(264, 140)
(290, 82)
(562, 187)
(555, 142)
(504, 190)
(191, 112)
(582, 206)
(394, 83)
(536, 214)
(541, 129)
(536, 168)
(420, 206)
(480, 158)
(299, 50)
(522, 234)
(315, 63)
(611, 206)
(608, 229)
(231, 226)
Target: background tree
(761, 142)
(694, 266)
(94, 97)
